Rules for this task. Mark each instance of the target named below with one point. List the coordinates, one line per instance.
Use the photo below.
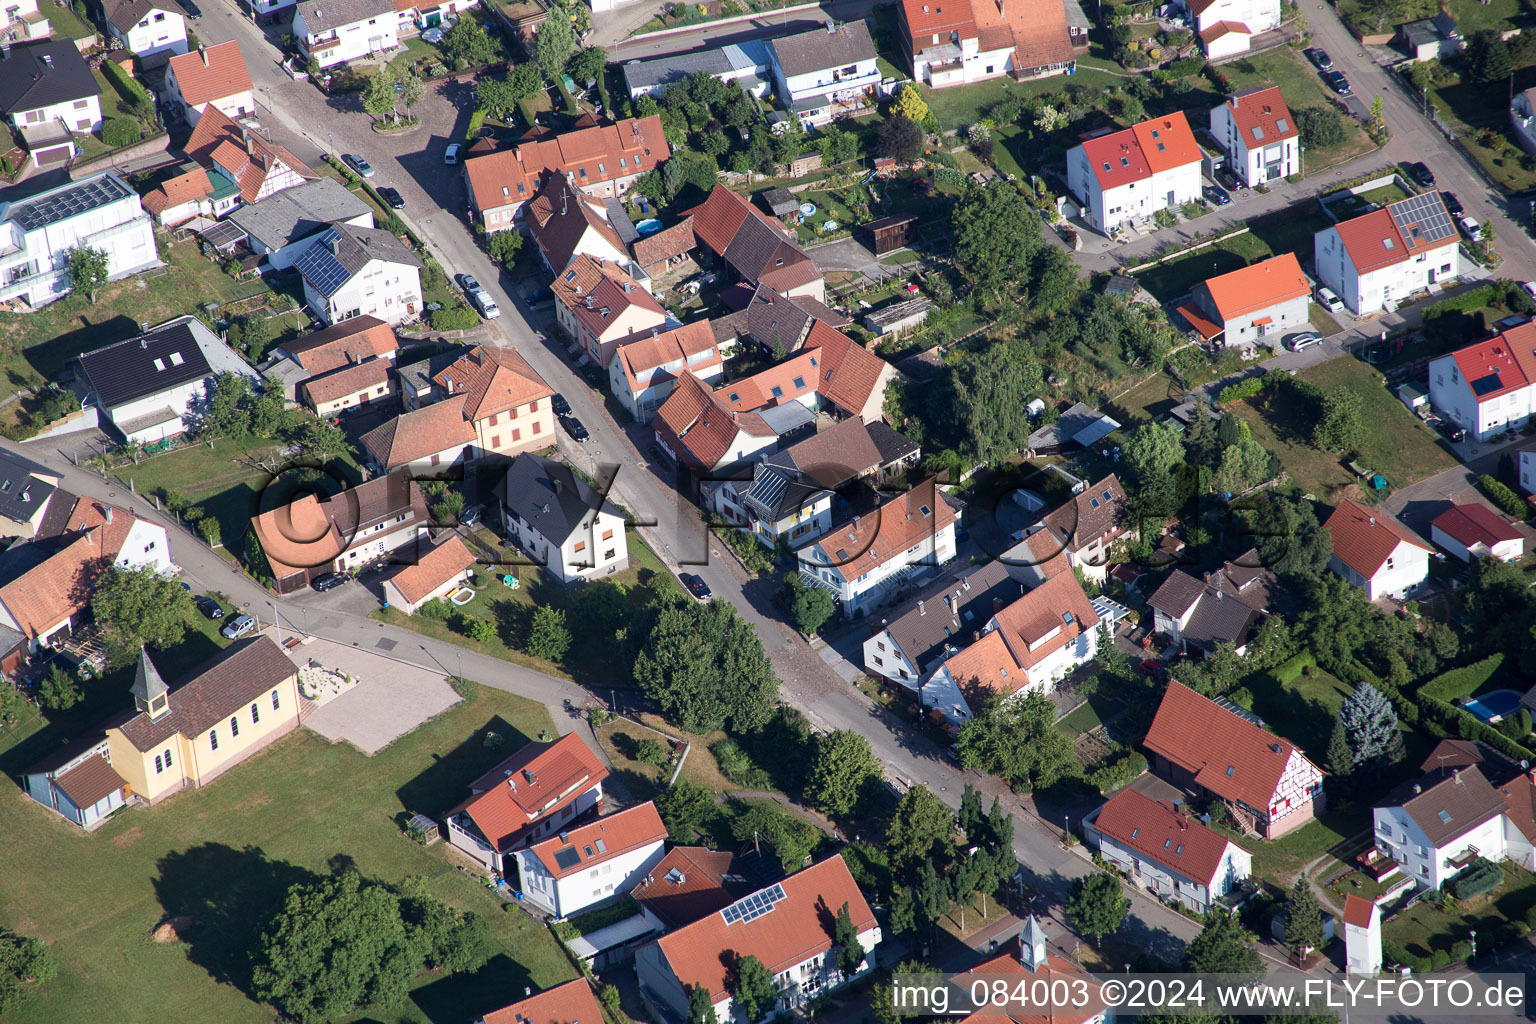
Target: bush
(1392, 953)
(1246, 388)
(1118, 771)
(125, 83)
(1180, 69)
(1479, 877)
(437, 608)
(458, 318)
(651, 751)
(1321, 126)
(119, 131)
(1499, 493)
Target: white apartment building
(559, 520)
(1434, 829)
(337, 31)
(819, 72)
(1165, 851)
(642, 374)
(38, 233)
(1259, 135)
(1131, 174)
(1378, 260)
(1488, 387)
(352, 271)
(594, 863)
(145, 27)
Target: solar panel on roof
(749, 908)
(567, 859)
(1423, 216)
(321, 266)
(70, 201)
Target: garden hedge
(1246, 388)
(125, 82)
(458, 318)
(1479, 877)
(1499, 493)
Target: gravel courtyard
(390, 699)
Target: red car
(1154, 668)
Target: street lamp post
(461, 667)
(277, 622)
(1473, 933)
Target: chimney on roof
(997, 605)
(920, 609)
(5, 51)
(831, 26)
(107, 515)
(1183, 823)
(1456, 775)
(558, 485)
(1417, 789)
(203, 52)
(48, 59)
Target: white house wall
(358, 39)
(1288, 316)
(81, 115)
(389, 291)
(1400, 837)
(1367, 293)
(159, 31)
(574, 893)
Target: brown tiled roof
(1162, 835)
(679, 344)
(351, 341)
(856, 548)
(312, 531)
(1454, 806)
(433, 569)
(1358, 910)
(1363, 538)
(1037, 28)
(1449, 754)
(533, 783)
(419, 433)
(799, 926)
(663, 245)
(184, 188)
(849, 373)
(492, 380)
(60, 584)
(563, 1004)
(211, 73)
(1178, 593)
(719, 217)
(233, 680)
(512, 175)
(1211, 33)
(700, 425)
(1227, 754)
(1056, 968)
(89, 781)
(689, 882)
(588, 286)
(797, 376)
(559, 216)
(219, 141)
(1475, 524)
(125, 14)
(938, 614)
(327, 387)
(1089, 515)
(610, 836)
(1041, 622)
(1520, 799)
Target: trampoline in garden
(1495, 705)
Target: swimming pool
(1491, 707)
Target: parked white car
(1470, 228)
(1329, 301)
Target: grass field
(619, 738)
(1424, 927)
(1148, 400)
(1471, 109)
(1396, 443)
(1286, 231)
(1300, 85)
(224, 856)
(963, 105)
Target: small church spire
(150, 694)
(1032, 945)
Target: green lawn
(962, 105)
(1302, 710)
(1396, 443)
(1279, 860)
(1384, 195)
(1269, 235)
(1473, 110)
(1471, 16)
(1300, 85)
(65, 24)
(1148, 400)
(1089, 715)
(223, 857)
(1424, 927)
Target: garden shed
(426, 826)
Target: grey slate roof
(1453, 807)
(40, 74)
(820, 49)
(1219, 619)
(22, 493)
(296, 213)
(124, 14)
(618, 219)
(948, 611)
(891, 444)
(549, 496)
(342, 252)
(323, 15)
(162, 358)
(416, 376)
(1177, 594)
(780, 201)
(663, 71)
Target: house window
(274, 700)
(608, 555)
(537, 427)
(255, 715)
(167, 757)
(494, 417)
(234, 726)
(607, 535)
(82, 104)
(495, 440)
(213, 739)
(533, 406)
(158, 766)
(517, 434)
(581, 545)
(436, 459)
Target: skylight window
(1230, 769)
(733, 396)
(924, 510)
(1124, 162)
(159, 364)
(1445, 817)
(1093, 502)
(1179, 851)
(1106, 496)
(1167, 843)
(1155, 134)
(1066, 617)
(776, 391)
(1280, 124)
(799, 383)
(1106, 165)
(1162, 147)
(1258, 131)
(1388, 243)
(176, 359)
(1135, 831)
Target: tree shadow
(460, 997)
(445, 782)
(225, 897)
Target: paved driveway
(390, 699)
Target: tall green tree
(25, 963)
(229, 407)
(751, 986)
(138, 607)
(586, 65)
(1342, 424)
(322, 441)
(918, 832)
(467, 44)
(1488, 58)
(269, 410)
(548, 637)
(683, 808)
(705, 667)
(379, 93)
(554, 44)
(882, 998)
(1303, 919)
(1340, 760)
(850, 952)
(1017, 739)
(989, 392)
(59, 690)
(1222, 947)
(811, 608)
(88, 269)
(701, 1006)
(899, 139)
(1370, 726)
(1097, 904)
(411, 91)
(1289, 537)
(844, 768)
(996, 234)
(1152, 451)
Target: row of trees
(930, 872)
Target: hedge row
(1475, 879)
(125, 82)
(1118, 771)
(1182, 68)
(1466, 302)
(1499, 493)
(475, 121)
(1287, 672)
(455, 318)
(1245, 388)
(1464, 681)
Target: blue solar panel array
(321, 267)
(750, 908)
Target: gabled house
(562, 1004)
(1489, 386)
(1374, 551)
(79, 782)
(561, 521)
(1034, 962)
(1431, 38)
(787, 926)
(435, 574)
(1434, 829)
(829, 372)
(285, 224)
(48, 94)
(603, 160)
(195, 192)
(1474, 530)
(643, 373)
(214, 75)
(859, 563)
(259, 167)
(1257, 305)
(348, 343)
(334, 32)
(541, 789)
(1163, 850)
(156, 386)
(1206, 613)
(1131, 174)
(565, 223)
(233, 707)
(774, 322)
(600, 307)
(1227, 27)
(1259, 135)
(689, 883)
(593, 863)
(701, 432)
(1267, 784)
(426, 440)
(790, 494)
(1379, 259)
(147, 28)
(338, 367)
(755, 248)
(27, 489)
(659, 253)
(1087, 526)
(354, 271)
(46, 583)
(956, 42)
(1028, 645)
(313, 536)
(347, 388)
(820, 72)
(37, 234)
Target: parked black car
(561, 406)
(696, 586)
(393, 197)
(1228, 180)
(1421, 174)
(1452, 204)
(1451, 431)
(1320, 57)
(575, 429)
(1218, 195)
(208, 606)
(330, 581)
(1338, 83)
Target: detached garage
(435, 574)
(1476, 531)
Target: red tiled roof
(923, 19)
(678, 345)
(211, 73)
(849, 373)
(246, 156)
(720, 216)
(312, 531)
(856, 548)
(1475, 524)
(1260, 286)
(1162, 835)
(60, 586)
(699, 426)
(1037, 30)
(1224, 28)
(1116, 159)
(689, 882)
(1055, 968)
(531, 784)
(1258, 115)
(564, 1004)
(1363, 539)
(1167, 142)
(1372, 241)
(512, 175)
(419, 433)
(1491, 368)
(351, 341)
(588, 285)
(1226, 753)
(796, 376)
(492, 380)
(1520, 799)
(184, 188)
(1358, 910)
(1199, 321)
(443, 563)
(1028, 630)
(327, 387)
(609, 836)
(798, 927)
